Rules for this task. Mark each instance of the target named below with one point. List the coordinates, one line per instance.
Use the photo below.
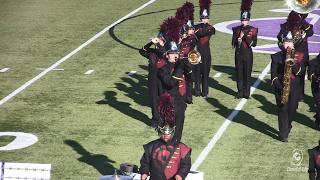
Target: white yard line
(52, 69)
(218, 74)
(4, 70)
(89, 72)
(203, 155)
(315, 18)
(43, 73)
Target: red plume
(171, 27)
(189, 9)
(205, 4)
(185, 13)
(166, 109)
(181, 14)
(246, 5)
(163, 27)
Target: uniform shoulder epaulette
(277, 57)
(256, 29)
(284, 26)
(150, 143)
(184, 149)
(184, 145)
(234, 28)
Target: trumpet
(194, 57)
(303, 6)
(154, 40)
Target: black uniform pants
(287, 112)
(180, 109)
(189, 81)
(302, 84)
(314, 175)
(189, 85)
(153, 91)
(202, 71)
(315, 87)
(303, 74)
(243, 62)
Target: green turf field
(88, 125)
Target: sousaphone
(303, 6)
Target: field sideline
(88, 125)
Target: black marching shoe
(205, 95)
(197, 93)
(283, 139)
(246, 94)
(239, 95)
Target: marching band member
(243, 39)
(187, 44)
(171, 74)
(155, 56)
(164, 158)
(203, 31)
(298, 26)
(308, 29)
(314, 77)
(314, 163)
(286, 68)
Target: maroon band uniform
(155, 57)
(300, 24)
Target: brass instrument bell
(303, 6)
(194, 57)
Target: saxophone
(287, 75)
